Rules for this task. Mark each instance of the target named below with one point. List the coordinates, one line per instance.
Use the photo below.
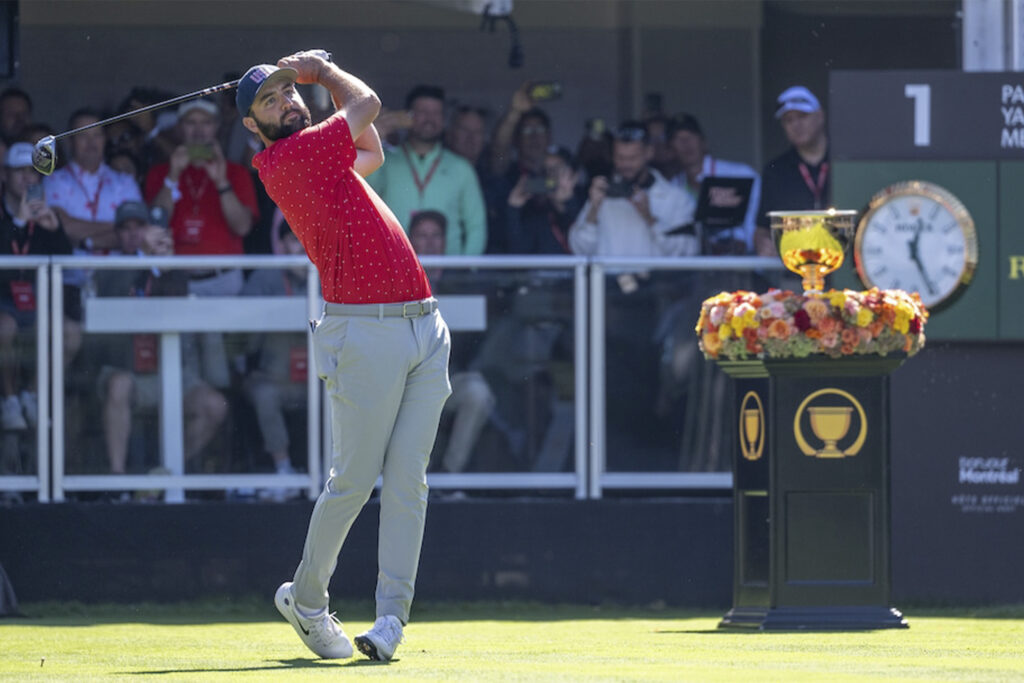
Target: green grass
(501, 642)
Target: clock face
(918, 237)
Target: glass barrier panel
(20, 306)
(664, 402)
(239, 396)
(512, 403)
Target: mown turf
(501, 642)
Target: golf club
(44, 155)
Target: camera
(539, 184)
(595, 129)
(34, 192)
(544, 91)
(619, 189)
(200, 153)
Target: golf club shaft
(159, 105)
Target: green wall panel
(975, 315)
(1011, 250)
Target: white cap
(797, 98)
(19, 155)
(202, 104)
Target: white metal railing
(170, 318)
(588, 478)
(40, 481)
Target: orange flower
(816, 310)
(779, 329)
(847, 349)
(812, 334)
(712, 343)
(849, 336)
(828, 324)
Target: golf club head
(44, 155)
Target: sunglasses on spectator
(631, 134)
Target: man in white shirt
(86, 192)
(635, 212)
(688, 142)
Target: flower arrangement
(781, 324)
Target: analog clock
(918, 237)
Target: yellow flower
(725, 331)
(864, 317)
(836, 298)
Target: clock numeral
(949, 228)
(955, 249)
(949, 271)
(935, 212)
(880, 228)
(894, 210)
(880, 272)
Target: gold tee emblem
(751, 426)
(830, 425)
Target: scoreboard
(963, 132)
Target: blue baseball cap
(252, 82)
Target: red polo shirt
(198, 224)
(350, 235)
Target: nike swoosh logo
(306, 631)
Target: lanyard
(557, 232)
(21, 251)
(421, 184)
(818, 187)
(195, 192)
(93, 205)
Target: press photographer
(633, 212)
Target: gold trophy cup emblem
(830, 424)
(752, 426)
(812, 244)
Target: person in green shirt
(421, 174)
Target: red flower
(802, 320)
(915, 325)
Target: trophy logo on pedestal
(830, 424)
(752, 426)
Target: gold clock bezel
(940, 195)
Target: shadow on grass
(270, 665)
(206, 611)
(255, 610)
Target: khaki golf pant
(387, 381)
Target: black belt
(207, 274)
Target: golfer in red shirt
(381, 346)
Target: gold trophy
(812, 243)
(830, 424)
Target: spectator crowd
(462, 181)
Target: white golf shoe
(381, 641)
(321, 633)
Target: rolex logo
(830, 416)
(751, 426)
